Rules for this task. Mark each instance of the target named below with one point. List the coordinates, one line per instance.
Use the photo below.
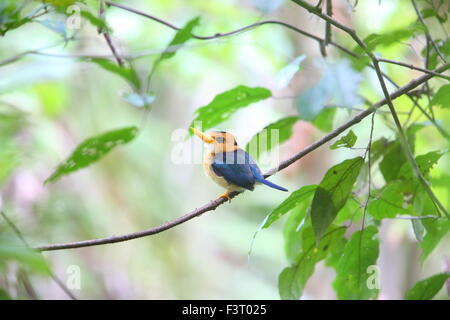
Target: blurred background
(49, 103)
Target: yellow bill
(205, 137)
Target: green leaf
(128, 74)
(346, 141)
(445, 48)
(436, 229)
(442, 97)
(350, 211)
(95, 21)
(9, 158)
(4, 295)
(293, 229)
(294, 199)
(378, 148)
(387, 39)
(11, 123)
(332, 193)
(60, 3)
(10, 17)
(226, 103)
(418, 229)
(292, 280)
(92, 149)
(286, 74)
(425, 163)
(274, 134)
(393, 160)
(286, 279)
(336, 252)
(352, 276)
(428, 12)
(426, 289)
(324, 120)
(414, 128)
(27, 257)
(182, 35)
(389, 202)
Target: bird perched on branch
(228, 165)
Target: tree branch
(212, 205)
(234, 32)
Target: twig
(427, 31)
(329, 9)
(226, 34)
(426, 85)
(101, 14)
(104, 32)
(369, 163)
(212, 205)
(410, 66)
(416, 218)
(113, 49)
(22, 239)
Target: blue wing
(237, 167)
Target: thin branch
(427, 31)
(212, 205)
(415, 218)
(22, 239)
(234, 32)
(410, 66)
(113, 49)
(101, 14)
(426, 85)
(329, 9)
(107, 37)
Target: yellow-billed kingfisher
(228, 165)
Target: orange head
(217, 141)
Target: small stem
(427, 31)
(101, 15)
(328, 25)
(410, 66)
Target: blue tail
(270, 184)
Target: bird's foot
(226, 195)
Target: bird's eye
(220, 139)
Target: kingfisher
(228, 165)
